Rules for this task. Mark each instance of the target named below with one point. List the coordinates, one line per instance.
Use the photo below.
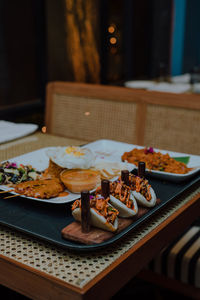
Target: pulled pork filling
(140, 185)
(122, 192)
(101, 206)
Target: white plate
(112, 151)
(40, 161)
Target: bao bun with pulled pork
(102, 214)
(124, 210)
(121, 197)
(142, 191)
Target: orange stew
(155, 161)
(101, 206)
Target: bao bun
(97, 220)
(143, 201)
(124, 211)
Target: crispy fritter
(44, 188)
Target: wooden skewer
(12, 196)
(105, 188)
(141, 169)
(85, 211)
(125, 177)
(1, 192)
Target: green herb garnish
(111, 208)
(183, 159)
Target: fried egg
(71, 157)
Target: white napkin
(10, 131)
(184, 78)
(139, 84)
(176, 88)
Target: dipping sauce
(77, 180)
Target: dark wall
(33, 44)
(144, 30)
(22, 70)
(56, 56)
(151, 38)
(160, 41)
(191, 56)
(137, 38)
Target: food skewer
(144, 193)
(105, 188)
(2, 192)
(12, 196)
(141, 169)
(125, 177)
(85, 212)
(122, 197)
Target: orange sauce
(77, 180)
(63, 194)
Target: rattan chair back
(90, 112)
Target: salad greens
(11, 173)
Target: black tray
(45, 220)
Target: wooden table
(41, 270)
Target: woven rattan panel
(73, 268)
(92, 119)
(172, 128)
